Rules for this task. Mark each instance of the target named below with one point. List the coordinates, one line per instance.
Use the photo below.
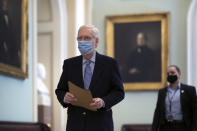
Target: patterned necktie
(87, 75)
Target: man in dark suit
(176, 105)
(94, 72)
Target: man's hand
(97, 103)
(69, 98)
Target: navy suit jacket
(106, 83)
(188, 105)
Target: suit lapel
(98, 68)
(164, 97)
(77, 72)
(182, 95)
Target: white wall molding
(34, 61)
(192, 44)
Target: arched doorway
(51, 49)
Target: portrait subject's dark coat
(9, 47)
(142, 59)
(106, 83)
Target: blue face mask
(85, 47)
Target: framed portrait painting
(13, 37)
(140, 44)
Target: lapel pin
(182, 91)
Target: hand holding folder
(84, 97)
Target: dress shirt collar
(92, 59)
(178, 87)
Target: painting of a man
(138, 49)
(142, 60)
(140, 44)
(10, 49)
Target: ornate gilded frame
(22, 71)
(164, 18)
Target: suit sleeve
(116, 93)
(155, 124)
(194, 108)
(62, 87)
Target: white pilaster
(192, 44)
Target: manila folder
(84, 97)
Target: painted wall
(16, 95)
(138, 107)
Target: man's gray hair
(93, 28)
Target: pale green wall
(16, 95)
(138, 107)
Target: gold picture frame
(13, 44)
(121, 30)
